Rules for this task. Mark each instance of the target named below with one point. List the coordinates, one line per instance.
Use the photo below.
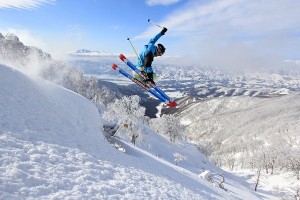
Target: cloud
(24, 4)
(161, 2)
(234, 32)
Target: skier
(146, 56)
(143, 74)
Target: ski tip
(114, 66)
(172, 104)
(122, 57)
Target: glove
(164, 30)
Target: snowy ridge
(85, 52)
(52, 146)
(244, 114)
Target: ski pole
(149, 20)
(134, 49)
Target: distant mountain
(86, 52)
(83, 51)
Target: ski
(134, 68)
(143, 85)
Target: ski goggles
(160, 51)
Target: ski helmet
(161, 49)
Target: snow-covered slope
(52, 147)
(243, 132)
(220, 118)
(42, 111)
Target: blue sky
(91, 24)
(226, 33)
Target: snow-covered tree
(168, 125)
(129, 115)
(294, 162)
(36, 62)
(178, 157)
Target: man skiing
(146, 56)
(142, 71)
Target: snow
(52, 147)
(242, 119)
(117, 79)
(175, 94)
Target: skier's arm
(156, 37)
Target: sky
(229, 34)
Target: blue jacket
(147, 54)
